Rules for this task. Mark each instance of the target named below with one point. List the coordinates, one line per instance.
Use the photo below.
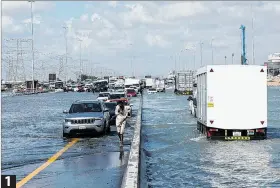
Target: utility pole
(22, 63)
(225, 60)
(66, 57)
(201, 43)
(32, 46)
(232, 55)
(16, 73)
(80, 59)
(13, 50)
(60, 67)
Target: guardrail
(132, 172)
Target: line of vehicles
(230, 102)
(97, 116)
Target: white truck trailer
(160, 86)
(184, 82)
(232, 102)
(150, 83)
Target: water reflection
(121, 155)
(239, 163)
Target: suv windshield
(116, 96)
(103, 95)
(85, 107)
(130, 91)
(111, 105)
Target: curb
(131, 174)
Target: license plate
(82, 127)
(236, 133)
(250, 132)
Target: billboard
(29, 84)
(52, 77)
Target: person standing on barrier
(121, 116)
(141, 91)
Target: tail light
(213, 130)
(260, 130)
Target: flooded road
(176, 155)
(32, 133)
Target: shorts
(120, 127)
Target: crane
(243, 52)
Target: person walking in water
(121, 116)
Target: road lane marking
(49, 161)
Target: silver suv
(86, 116)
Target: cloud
(136, 14)
(84, 17)
(36, 20)
(156, 30)
(18, 8)
(8, 24)
(156, 40)
(112, 4)
(180, 10)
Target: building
(273, 64)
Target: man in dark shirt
(141, 91)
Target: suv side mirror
(106, 110)
(65, 111)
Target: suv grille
(82, 121)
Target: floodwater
(32, 132)
(174, 154)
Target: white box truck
(184, 82)
(150, 83)
(232, 101)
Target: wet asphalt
(32, 133)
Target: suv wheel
(104, 128)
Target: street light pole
(225, 59)
(179, 59)
(232, 55)
(201, 43)
(66, 51)
(80, 59)
(131, 66)
(32, 46)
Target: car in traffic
(135, 88)
(117, 95)
(111, 106)
(131, 93)
(127, 105)
(103, 96)
(86, 117)
(152, 91)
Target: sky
(133, 38)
